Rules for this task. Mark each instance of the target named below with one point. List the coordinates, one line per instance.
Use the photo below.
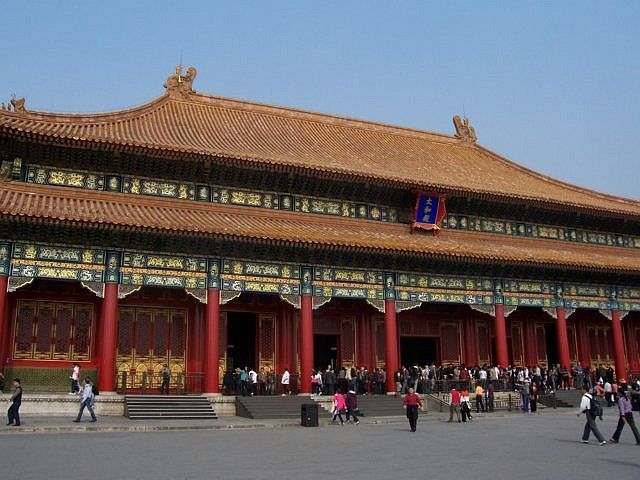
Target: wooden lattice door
(149, 338)
(266, 342)
(45, 330)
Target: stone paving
(543, 446)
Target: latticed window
(52, 330)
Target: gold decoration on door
(267, 343)
(149, 338)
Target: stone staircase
(377, 405)
(563, 399)
(168, 407)
(271, 406)
(380, 405)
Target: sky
(550, 85)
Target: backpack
(94, 390)
(595, 409)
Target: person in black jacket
(16, 401)
(351, 399)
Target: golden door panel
(450, 342)
(541, 345)
(380, 345)
(52, 331)
(517, 348)
(222, 345)
(348, 340)
(149, 338)
(267, 341)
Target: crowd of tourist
(481, 380)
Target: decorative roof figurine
(16, 104)
(177, 83)
(464, 131)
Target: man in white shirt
(608, 393)
(253, 382)
(285, 382)
(483, 377)
(590, 425)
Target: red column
(584, 348)
(196, 335)
(212, 342)
(500, 329)
(306, 343)
(107, 338)
(285, 342)
(470, 341)
(562, 338)
(364, 352)
(390, 343)
(618, 345)
(4, 318)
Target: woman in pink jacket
(339, 405)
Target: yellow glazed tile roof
(116, 210)
(202, 125)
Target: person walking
(330, 380)
(411, 402)
(465, 409)
(339, 406)
(86, 401)
(525, 393)
(479, 395)
(589, 408)
(75, 378)
(454, 404)
(626, 416)
(533, 397)
(351, 400)
(13, 413)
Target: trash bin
(309, 415)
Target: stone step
(264, 407)
(146, 407)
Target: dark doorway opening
(418, 351)
(551, 344)
(325, 351)
(241, 340)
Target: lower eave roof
(116, 210)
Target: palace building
(208, 233)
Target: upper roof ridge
(183, 121)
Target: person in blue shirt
(86, 401)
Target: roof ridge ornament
(179, 84)
(464, 130)
(15, 104)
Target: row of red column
(109, 322)
(562, 340)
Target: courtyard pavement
(543, 446)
